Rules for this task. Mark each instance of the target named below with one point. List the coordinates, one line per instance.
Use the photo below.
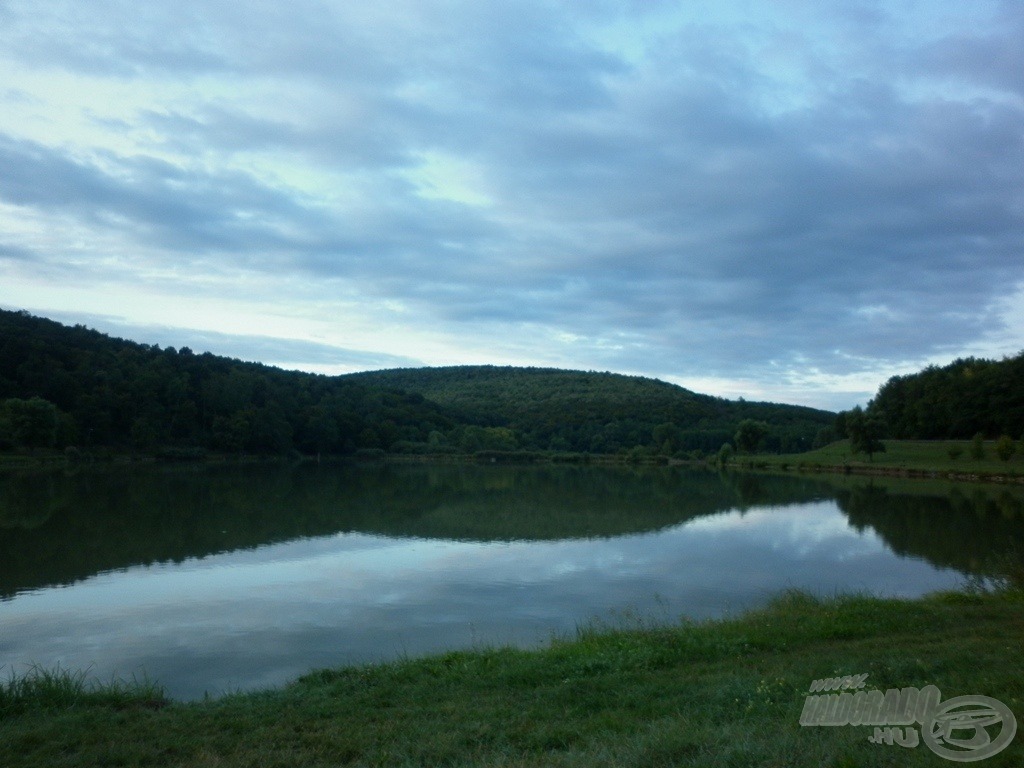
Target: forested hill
(967, 397)
(600, 412)
(76, 388)
(69, 387)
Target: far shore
(916, 459)
(913, 459)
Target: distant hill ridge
(64, 386)
(599, 411)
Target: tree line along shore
(75, 393)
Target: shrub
(725, 453)
(1005, 447)
(978, 446)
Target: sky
(790, 200)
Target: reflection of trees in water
(60, 526)
(977, 530)
(27, 502)
(756, 490)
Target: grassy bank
(725, 693)
(909, 457)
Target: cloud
(989, 56)
(755, 197)
(15, 253)
(148, 198)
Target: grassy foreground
(724, 693)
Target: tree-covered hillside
(967, 397)
(74, 387)
(63, 386)
(600, 412)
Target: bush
(1005, 447)
(725, 453)
(978, 446)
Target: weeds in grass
(41, 688)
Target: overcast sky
(787, 200)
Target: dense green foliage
(966, 397)
(600, 412)
(74, 387)
(866, 431)
(750, 434)
(62, 386)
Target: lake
(225, 578)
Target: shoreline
(685, 694)
(811, 463)
(911, 459)
(883, 471)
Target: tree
(825, 436)
(667, 437)
(29, 423)
(368, 438)
(725, 453)
(750, 434)
(269, 431)
(866, 431)
(1005, 447)
(230, 434)
(978, 446)
(144, 434)
(635, 454)
(955, 401)
(320, 433)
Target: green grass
(721, 693)
(44, 690)
(921, 456)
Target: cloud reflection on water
(261, 617)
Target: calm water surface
(233, 578)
